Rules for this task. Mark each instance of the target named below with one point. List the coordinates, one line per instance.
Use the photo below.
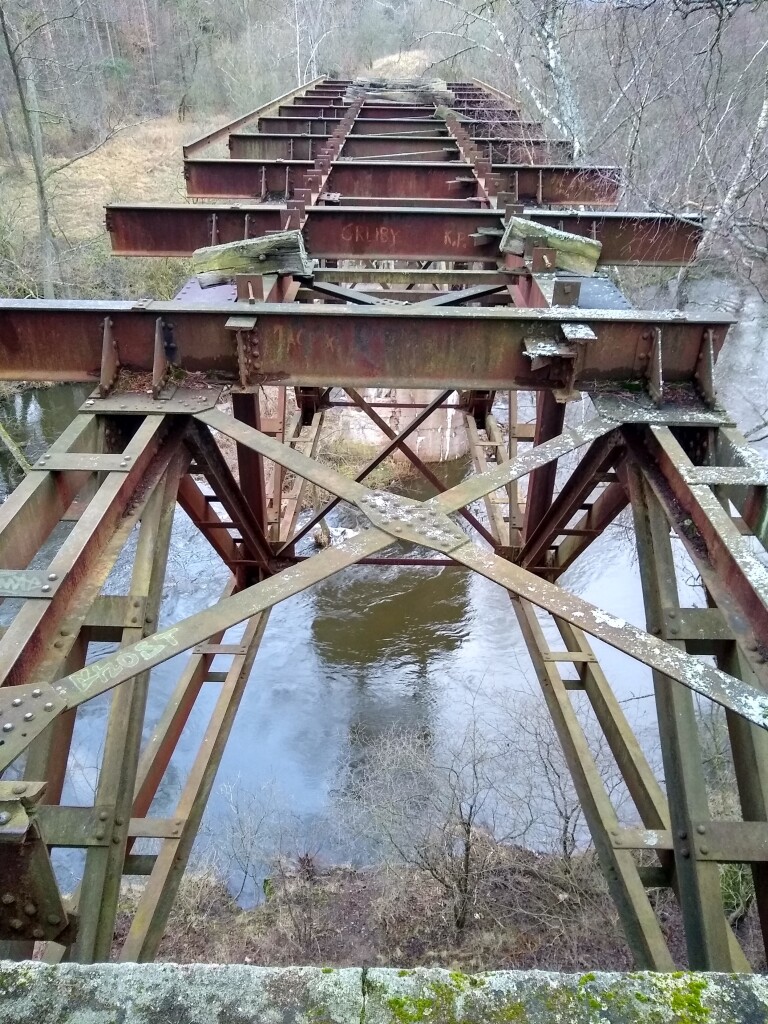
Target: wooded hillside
(675, 91)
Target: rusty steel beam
(559, 185)
(399, 126)
(566, 184)
(551, 522)
(351, 345)
(421, 147)
(275, 146)
(297, 125)
(311, 98)
(380, 111)
(328, 113)
(178, 230)
(246, 178)
(337, 232)
(253, 115)
(550, 416)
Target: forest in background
(673, 91)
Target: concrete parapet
(36, 993)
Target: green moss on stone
(687, 1005)
(16, 979)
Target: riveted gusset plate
(24, 712)
(30, 902)
(409, 520)
(172, 400)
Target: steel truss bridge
(402, 208)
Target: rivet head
(16, 923)
(45, 587)
(58, 643)
(7, 899)
(52, 576)
(682, 835)
(20, 788)
(4, 817)
(53, 919)
(103, 815)
(705, 850)
(7, 726)
(685, 852)
(99, 833)
(38, 933)
(37, 693)
(16, 702)
(28, 716)
(48, 706)
(30, 909)
(701, 829)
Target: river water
(368, 649)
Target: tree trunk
(8, 131)
(31, 114)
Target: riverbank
(532, 912)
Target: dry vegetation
(535, 913)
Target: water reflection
(34, 418)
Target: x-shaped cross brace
(28, 711)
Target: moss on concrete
(34, 993)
